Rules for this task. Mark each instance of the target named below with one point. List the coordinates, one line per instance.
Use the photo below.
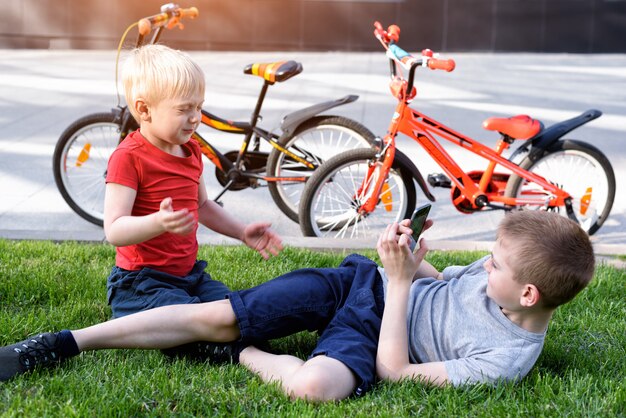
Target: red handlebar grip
(191, 12)
(394, 33)
(437, 64)
(146, 24)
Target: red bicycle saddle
(517, 127)
(274, 71)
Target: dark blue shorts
(344, 304)
(129, 291)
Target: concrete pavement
(43, 91)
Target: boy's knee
(316, 385)
(310, 385)
(217, 320)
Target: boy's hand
(261, 238)
(398, 260)
(177, 222)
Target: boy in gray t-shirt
(481, 323)
(484, 322)
(475, 341)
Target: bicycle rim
(336, 203)
(84, 164)
(316, 145)
(581, 175)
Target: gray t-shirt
(454, 321)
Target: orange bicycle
(307, 138)
(358, 192)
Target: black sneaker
(213, 353)
(41, 350)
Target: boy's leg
(320, 378)
(346, 304)
(163, 327)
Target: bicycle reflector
(386, 197)
(585, 200)
(83, 156)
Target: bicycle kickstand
(224, 190)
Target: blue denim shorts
(343, 304)
(129, 291)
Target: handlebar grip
(145, 24)
(437, 64)
(148, 23)
(394, 33)
(191, 12)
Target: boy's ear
(142, 109)
(530, 296)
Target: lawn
(46, 286)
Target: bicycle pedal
(439, 180)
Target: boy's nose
(487, 264)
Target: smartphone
(418, 219)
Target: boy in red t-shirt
(155, 194)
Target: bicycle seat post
(259, 103)
(253, 122)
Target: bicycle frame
(250, 131)
(422, 129)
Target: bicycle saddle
(516, 127)
(274, 71)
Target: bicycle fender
(292, 120)
(405, 163)
(550, 135)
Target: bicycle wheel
(578, 168)
(316, 140)
(80, 162)
(334, 193)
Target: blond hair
(551, 252)
(157, 72)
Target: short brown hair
(552, 252)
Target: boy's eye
(493, 262)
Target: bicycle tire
(318, 138)
(337, 182)
(80, 162)
(580, 169)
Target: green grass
(46, 286)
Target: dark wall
(581, 26)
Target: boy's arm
(256, 235)
(121, 228)
(401, 265)
(427, 270)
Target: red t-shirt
(155, 175)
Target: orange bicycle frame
(422, 128)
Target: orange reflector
(584, 201)
(387, 198)
(84, 155)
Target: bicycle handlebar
(170, 16)
(391, 36)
